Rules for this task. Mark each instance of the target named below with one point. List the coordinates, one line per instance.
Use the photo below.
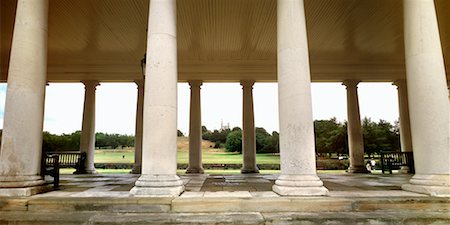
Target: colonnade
(427, 104)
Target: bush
(234, 142)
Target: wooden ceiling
(223, 40)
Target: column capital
(247, 83)
(401, 83)
(195, 83)
(140, 83)
(351, 83)
(90, 84)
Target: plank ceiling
(223, 40)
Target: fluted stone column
(297, 151)
(159, 149)
(248, 129)
(428, 99)
(87, 140)
(195, 130)
(21, 148)
(354, 129)
(137, 168)
(405, 127)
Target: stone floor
(227, 199)
(240, 185)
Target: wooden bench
(395, 160)
(53, 161)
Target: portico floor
(228, 199)
(239, 185)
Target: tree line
(330, 137)
(231, 139)
(71, 142)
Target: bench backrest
(394, 160)
(70, 159)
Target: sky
(116, 105)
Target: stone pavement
(339, 185)
(228, 199)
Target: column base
(433, 185)
(195, 170)
(90, 171)
(249, 170)
(136, 170)
(20, 186)
(25, 191)
(299, 185)
(158, 186)
(357, 169)
(404, 169)
(20, 181)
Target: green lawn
(118, 156)
(225, 172)
(113, 156)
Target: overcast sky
(116, 105)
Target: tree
(179, 133)
(264, 143)
(330, 136)
(381, 136)
(234, 142)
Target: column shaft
(137, 168)
(297, 150)
(354, 129)
(248, 132)
(428, 99)
(195, 130)
(405, 124)
(87, 139)
(405, 127)
(159, 146)
(21, 147)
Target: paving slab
(228, 194)
(179, 218)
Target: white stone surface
(21, 146)
(428, 99)
(195, 130)
(227, 194)
(159, 146)
(297, 150)
(137, 168)
(87, 139)
(248, 129)
(405, 124)
(158, 186)
(354, 129)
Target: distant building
(224, 127)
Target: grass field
(224, 172)
(127, 156)
(210, 155)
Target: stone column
(354, 129)
(405, 127)
(248, 129)
(87, 140)
(195, 130)
(297, 150)
(159, 146)
(428, 99)
(21, 148)
(139, 127)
